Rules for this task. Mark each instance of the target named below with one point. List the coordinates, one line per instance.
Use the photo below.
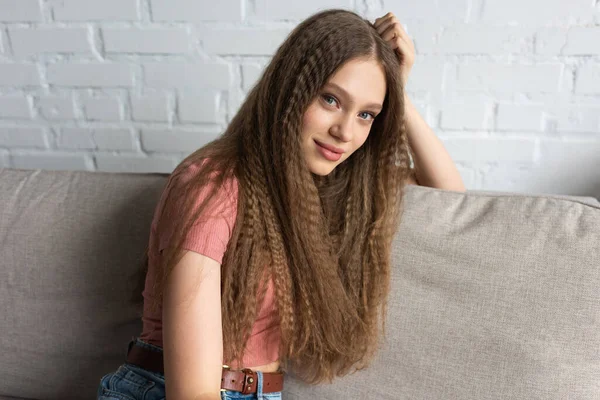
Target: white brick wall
(102, 109)
(56, 108)
(512, 87)
(32, 41)
(14, 107)
(146, 41)
(23, 11)
(93, 74)
(197, 11)
(19, 75)
(94, 10)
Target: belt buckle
(249, 379)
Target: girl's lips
(327, 153)
(330, 147)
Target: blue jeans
(130, 382)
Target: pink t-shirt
(211, 239)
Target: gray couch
(494, 295)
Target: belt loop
(131, 343)
(259, 387)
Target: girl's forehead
(360, 79)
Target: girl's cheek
(309, 115)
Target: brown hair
(324, 240)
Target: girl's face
(339, 119)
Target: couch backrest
(71, 243)
(493, 295)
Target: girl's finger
(384, 23)
(401, 33)
(390, 33)
(403, 47)
(379, 20)
(384, 26)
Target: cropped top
(210, 239)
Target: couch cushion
(70, 244)
(494, 296)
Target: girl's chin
(321, 168)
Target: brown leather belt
(244, 381)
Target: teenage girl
(270, 247)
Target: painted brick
(481, 76)
(93, 10)
(536, 12)
(588, 79)
(443, 11)
(251, 73)
(13, 136)
(176, 140)
(59, 161)
(147, 41)
(30, 41)
(114, 139)
(464, 116)
(188, 76)
(481, 39)
(578, 118)
(5, 159)
(196, 10)
(20, 11)
(550, 40)
(135, 163)
(244, 41)
(19, 75)
(481, 150)
(583, 41)
(14, 107)
(56, 108)
(425, 36)
(76, 139)
(273, 10)
(572, 163)
(427, 74)
(572, 151)
(510, 177)
(202, 108)
(102, 109)
(91, 75)
(550, 118)
(235, 99)
(519, 117)
(152, 107)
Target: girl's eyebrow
(375, 106)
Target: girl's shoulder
(228, 188)
(188, 170)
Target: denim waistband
(225, 394)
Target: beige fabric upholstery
(494, 296)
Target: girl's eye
(365, 115)
(329, 99)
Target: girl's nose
(342, 129)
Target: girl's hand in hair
(391, 30)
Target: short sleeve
(211, 234)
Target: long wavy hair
(324, 240)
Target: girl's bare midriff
(271, 367)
